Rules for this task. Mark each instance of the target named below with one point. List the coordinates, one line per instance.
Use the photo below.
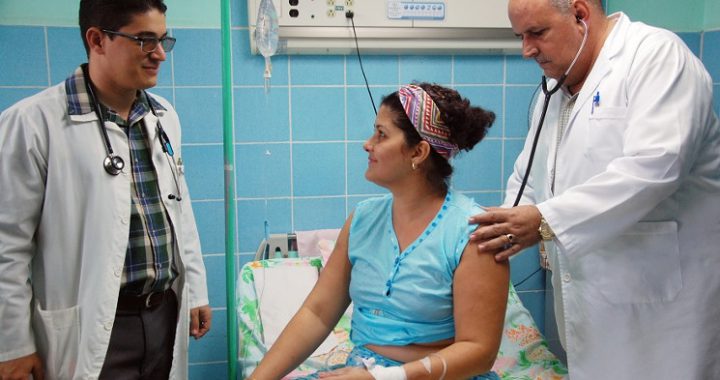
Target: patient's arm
(480, 289)
(316, 318)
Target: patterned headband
(424, 115)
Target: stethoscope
(548, 93)
(113, 163)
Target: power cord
(351, 15)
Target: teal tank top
(400, 298)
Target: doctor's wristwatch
(546, 233)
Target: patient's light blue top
(405, 297)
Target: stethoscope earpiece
(113, 164)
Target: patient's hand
(348, 373)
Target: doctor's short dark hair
(468, 125)
(112, 14)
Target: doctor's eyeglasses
(147, 44)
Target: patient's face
(389, 158)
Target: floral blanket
(524, 353)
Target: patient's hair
(468, 125)
(112, 14)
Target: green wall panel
(678, 16)
(181, 13)
(712, 15)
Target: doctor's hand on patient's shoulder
(200, 321)
(347, 373)
(21, 368)
(506, 231)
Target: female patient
(425, 304)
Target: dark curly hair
(112, 14)
(468, 126)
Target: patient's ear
(421, 152)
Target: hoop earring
(414, 166)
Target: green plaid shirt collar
(79, 100)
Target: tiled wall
(299, 157)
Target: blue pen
(595, 102)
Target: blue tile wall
(66, 52)
(433, 69)
(479, 69)
(197, 57)
(10, 95)
(299, 159)
(360, 113)
(318, 113)
(260, 117)
(518, 106)
(692, 40)
(200, 127)
(317, 70)
(379, 70)
(263, 170)
(319, 169)
(711, 54)
(489, 97)
(205, 162)
(319, 213)
(28, 63)
(256, 216)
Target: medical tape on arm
(427, 363)
(379, 372)
(388, 373)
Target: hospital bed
(270, 290)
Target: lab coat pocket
(642, 265)
(58, 335)
(604, 138)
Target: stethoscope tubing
(548, 93)
(113, 163)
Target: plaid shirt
(148, 260)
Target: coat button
(108, 326)
(117, 272)
(124, 220)
(566, 277)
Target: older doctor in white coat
(625, 193)
(64, 221)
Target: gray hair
(564, 5)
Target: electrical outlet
(349, 3)
(331, 13)
(331, 3)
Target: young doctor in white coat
(101, 273)
(624, 194)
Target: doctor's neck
(110, 94)
(599, 31)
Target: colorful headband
(424, 115)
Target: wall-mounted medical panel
(391, 26)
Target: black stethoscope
(113, 163)
(548, 94)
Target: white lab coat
(636, 211)
(64, 222)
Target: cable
(351, 16)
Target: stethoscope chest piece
(113, 164)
